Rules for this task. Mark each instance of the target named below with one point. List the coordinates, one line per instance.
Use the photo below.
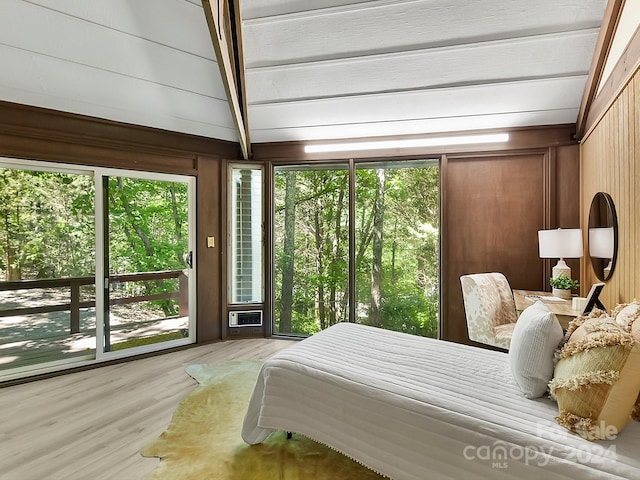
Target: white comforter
(414, 408)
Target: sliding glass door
(93, 263)
(394, 249)
(47, 265)
(147, 261)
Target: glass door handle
(188, 258)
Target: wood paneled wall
(492, 208)
(610, 156)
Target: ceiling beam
(225, 23)
(608, 27)
(241, 70)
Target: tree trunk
(286, 295)
(176, 219)
(127, 210)
(335, 255)
(376, 261)
(366, 234)
(394, 246)
(12, 269)
(320, 267)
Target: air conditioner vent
(251, 318)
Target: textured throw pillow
(597, 380)
(573, 325)
(626, 313)
(535, 337)
(635, 332)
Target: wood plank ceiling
(349, 68)
(322, 69)
(145, 62)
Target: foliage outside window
(148, 232)
(47, 226)
(396, 251)
(397, 247)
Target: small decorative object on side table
(562, 286)
(563, 309)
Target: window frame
(350, 164)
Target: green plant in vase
(562, 286)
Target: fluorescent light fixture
(407, 143)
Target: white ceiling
(316, 69)
(146, 62)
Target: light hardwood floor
(92, 424)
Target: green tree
(147, 233)
(47, 226)
(377, 249)
(397, 273)
(288, 253)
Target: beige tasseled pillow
(597, 379)
(573, 326)
(635, 331)
(626, 315)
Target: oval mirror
(603, 235)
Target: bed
(414, 408)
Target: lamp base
(561, 268)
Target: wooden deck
(53, 320)
(22, 344)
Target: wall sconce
(603, 235)
(561, 243)
(601, 241)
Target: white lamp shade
(560, 243)
(601, 242)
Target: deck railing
(74, 283)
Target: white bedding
(414, 408)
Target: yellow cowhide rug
(203, 441)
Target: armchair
(489, 308)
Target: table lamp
(560, 243)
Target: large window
(391, 244)
(311, 248)
(245, 235)
(397, 246)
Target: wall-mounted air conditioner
(251, 318)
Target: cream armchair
(489, 308)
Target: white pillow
(535, 337)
